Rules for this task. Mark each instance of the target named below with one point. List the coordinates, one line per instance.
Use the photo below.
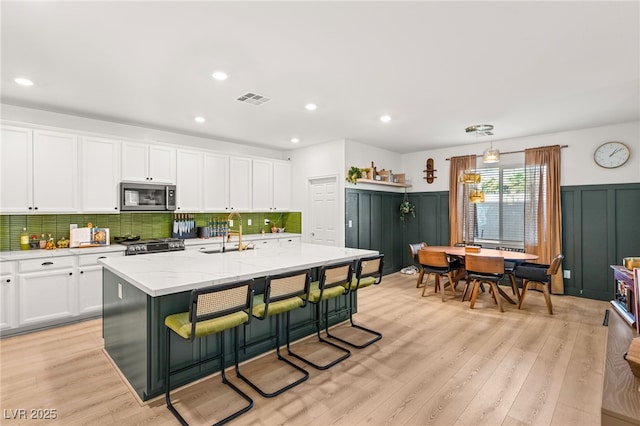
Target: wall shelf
(385, 183)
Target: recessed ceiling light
(219, 75)
(385, 118)
(295, 140)
(23, 81)
(199, 119)
(311, 107)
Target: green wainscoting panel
(599, 227)
(376, 225)
(145, 225)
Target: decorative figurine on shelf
(407, 208)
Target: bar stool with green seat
(282, 294)
(331, 284)
(368, 272)
(212, 310)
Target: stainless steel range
(153, 246)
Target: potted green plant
(407, 208)
(353, 174)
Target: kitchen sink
(227, 250)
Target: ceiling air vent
(252, 98)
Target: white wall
(361, 155)
(322, 160)
(578, 167)
(21, 116)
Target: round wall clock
(611, 155)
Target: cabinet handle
(82, 272)
(102, 257)
(35, 208)
(150, 178)
(70, 273)
(115, 208)
(178, 208)
(8, 280)
(47, 263)
(30, 208)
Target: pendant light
(491, 155)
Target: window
(500, 219)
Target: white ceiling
(434, 67)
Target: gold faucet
(238, 232)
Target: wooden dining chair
(413, 251)
(509, 268)
(540, 274)
(437, 263)
(484, 269)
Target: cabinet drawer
(6, 268)
(92, 259)
(38, 265)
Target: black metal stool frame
(268, 300)
(194, 319)
(318, 316)
(359, 276)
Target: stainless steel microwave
(144, 197)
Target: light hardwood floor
(438, 363)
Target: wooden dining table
(511, 256)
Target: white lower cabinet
(90, 289)
(42, 292)
(7, 301)
(45, 296)
(89, 276)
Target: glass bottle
(24, 239)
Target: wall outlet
(266, 221)
(248, 222)
(566, 274)
(230, 223)
(350, 224)
(119, 291)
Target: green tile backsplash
(146, 225)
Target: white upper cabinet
(16, 192)
(262, 185)
(55, 172)
(39, 171)
(148, 163)
(240, 184)
(189, 181)
(100, 171)
(216, 182)
(281, 186)
(271, 186)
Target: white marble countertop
(166, 273)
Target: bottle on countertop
(24, 239)
(43, 241)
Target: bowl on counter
(631, 262)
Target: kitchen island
(140, 291)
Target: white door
(324, 211)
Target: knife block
(183, 235)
